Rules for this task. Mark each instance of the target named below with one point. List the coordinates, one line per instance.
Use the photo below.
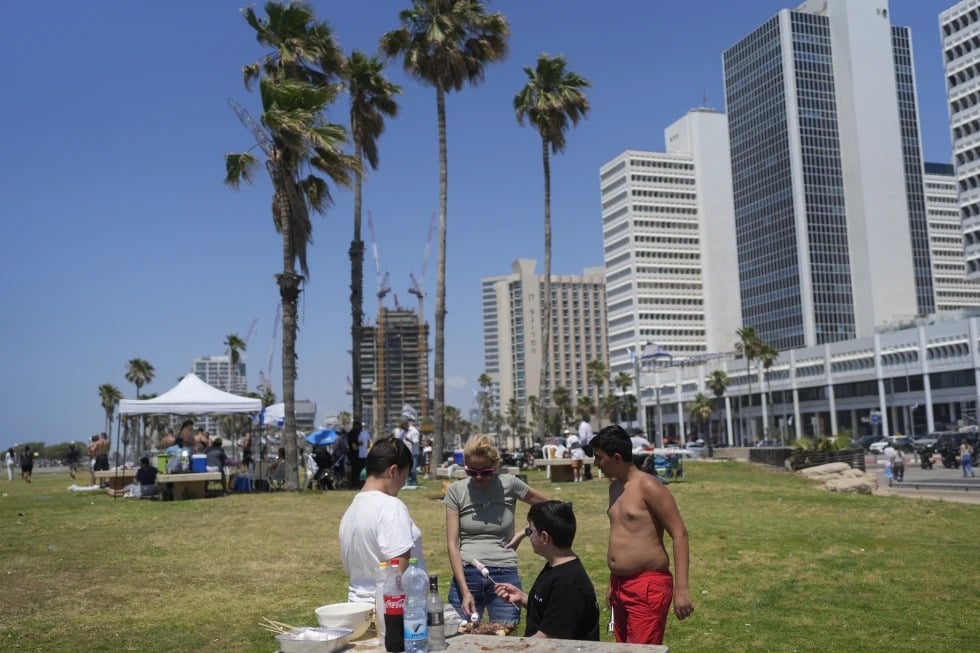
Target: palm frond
(238, 168)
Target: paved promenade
(951, 486)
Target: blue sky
(119, 240)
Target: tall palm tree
(747, 346)
(372, 99)
(609, 406)
(718, 384)
(598, 375)
(485, 403)
(445, 44)
(235, 347)
(139, 372)
(534, 410)
(700, 409)
(297, 81)
(109, 396)
(585, 406)
(563, 402)
(268, 397)
(767, 356)
(623, 382)
(551, 99)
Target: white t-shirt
(578, 453)
(412, 438)
(584, 433)
(375, 527)
(572, 441)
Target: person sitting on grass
(562, 602)
(146, 478)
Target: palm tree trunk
(289, 289)
(357, 292)
(544, 394)
(439, 364)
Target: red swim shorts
(640, 604)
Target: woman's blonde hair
(482, 446)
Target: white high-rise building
(512, 333)
(826, 158)
(669, 241)
(219, 372)
(960, 30)
(954, 291)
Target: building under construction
(394, 368)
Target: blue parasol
(322, 436)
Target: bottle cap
(383, 564)
(412, 561)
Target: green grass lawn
(776, 565)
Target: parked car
(900, 442)
(865, 441)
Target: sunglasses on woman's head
(488, 471)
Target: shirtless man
(92, 450)
(102, 455)
(640, 509)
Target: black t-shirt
(562, 603)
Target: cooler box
(199, 463)
(458, 457)
(162, 463)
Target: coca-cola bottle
(394, 598)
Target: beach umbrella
(322, 436)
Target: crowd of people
(482, 538)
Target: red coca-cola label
(394, 604)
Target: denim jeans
(482, 590)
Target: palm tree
(623, 383)
(718, 384)
(598, 375)
(610, 406)
(372, 99)
(534, 409)
(747, 347)
(268, 397)
(235, 346)
(563, 401)
(485, 404)
(700, 409)
(551, 99)
(139, 372)
(109, 395)
(585, 406)
(297, 81)
(767, 356)
(445, 44)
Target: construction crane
(418, 289)
(383, 289)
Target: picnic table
(191, 485)
(483, 643)
(559, 470)
(116, 478)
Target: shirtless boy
(640, 509)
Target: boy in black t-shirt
(562, 602)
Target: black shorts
(101, 463)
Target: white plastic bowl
(314, 640)
(356, 616)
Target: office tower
(954, 290)
(220, 373)
(958, 27)
(512, 333)
(668, 234)
(394, 369)
(830, 216)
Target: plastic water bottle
(416, 585)
(185, 459)
(394, 599)
(379, 600)
(436, 618)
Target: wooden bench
(186, 486)
(116, 478)
(560, 469)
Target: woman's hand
(514, 541)
(467, 603)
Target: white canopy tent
(191, 396)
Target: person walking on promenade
(966, 458)
(641, 508)
(26, 463)
(11, 460)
